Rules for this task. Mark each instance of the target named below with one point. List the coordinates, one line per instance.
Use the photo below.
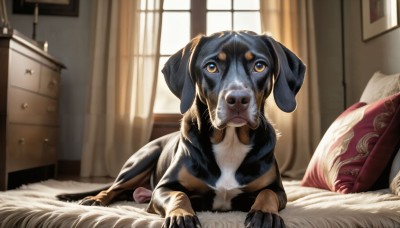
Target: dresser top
(14, 35)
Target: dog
(222, 159)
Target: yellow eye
(212, 68)
(259, 67)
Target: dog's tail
(80, 195)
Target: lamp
(4, 23)
(36, 10)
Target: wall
(364, 58)
(361, 59)
(329, 59)
(69, 42)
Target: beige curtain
(122, 84)
(291, 22)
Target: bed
(35, 205)
(329, 195)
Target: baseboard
(69, 167)
(163, 124)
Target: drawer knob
(22, 141)
(46, 140)
(53, 83)
(29, 71)
(24, 105)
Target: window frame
(198, 25)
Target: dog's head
(233, 73)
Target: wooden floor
(85, 179)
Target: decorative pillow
(357, 147)
(380, 86)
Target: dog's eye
(212, 68)
(259, 67)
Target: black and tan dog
(223, 157)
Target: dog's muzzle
(236, 108)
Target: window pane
(149, 5)
(247, 21)
(219, 4)
(218, 21)
(246, 4)
(176, 4)
(175, 32)
(165, 102)
(146, 27)
(143, 5)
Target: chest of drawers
(29, 120)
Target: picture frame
(68, 8)
(378, 17)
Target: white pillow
(380, 86)
(395, 166)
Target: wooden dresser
(29, 120)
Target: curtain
(291, 23)
(125, 54)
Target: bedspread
(35, 205)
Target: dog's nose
(237, 100)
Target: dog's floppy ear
(289, 74)
(177, 74)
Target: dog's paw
(261, 219)
(187, 221)
(89, 201)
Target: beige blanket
(34, 205)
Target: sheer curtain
(291, 22)
(123, 79)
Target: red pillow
(357, 147)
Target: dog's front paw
(258, 219)
(186, 220)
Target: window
(233, 14)
(184, 19)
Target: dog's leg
(105, 197)
(135, 173)
(80, 195)
(175, 206)
(264, 212)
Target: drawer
(30, 146)
(49, 82)
(24, 72)
(27, 107)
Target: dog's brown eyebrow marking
(248, 56)
(222, 56)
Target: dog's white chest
(229, 154)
